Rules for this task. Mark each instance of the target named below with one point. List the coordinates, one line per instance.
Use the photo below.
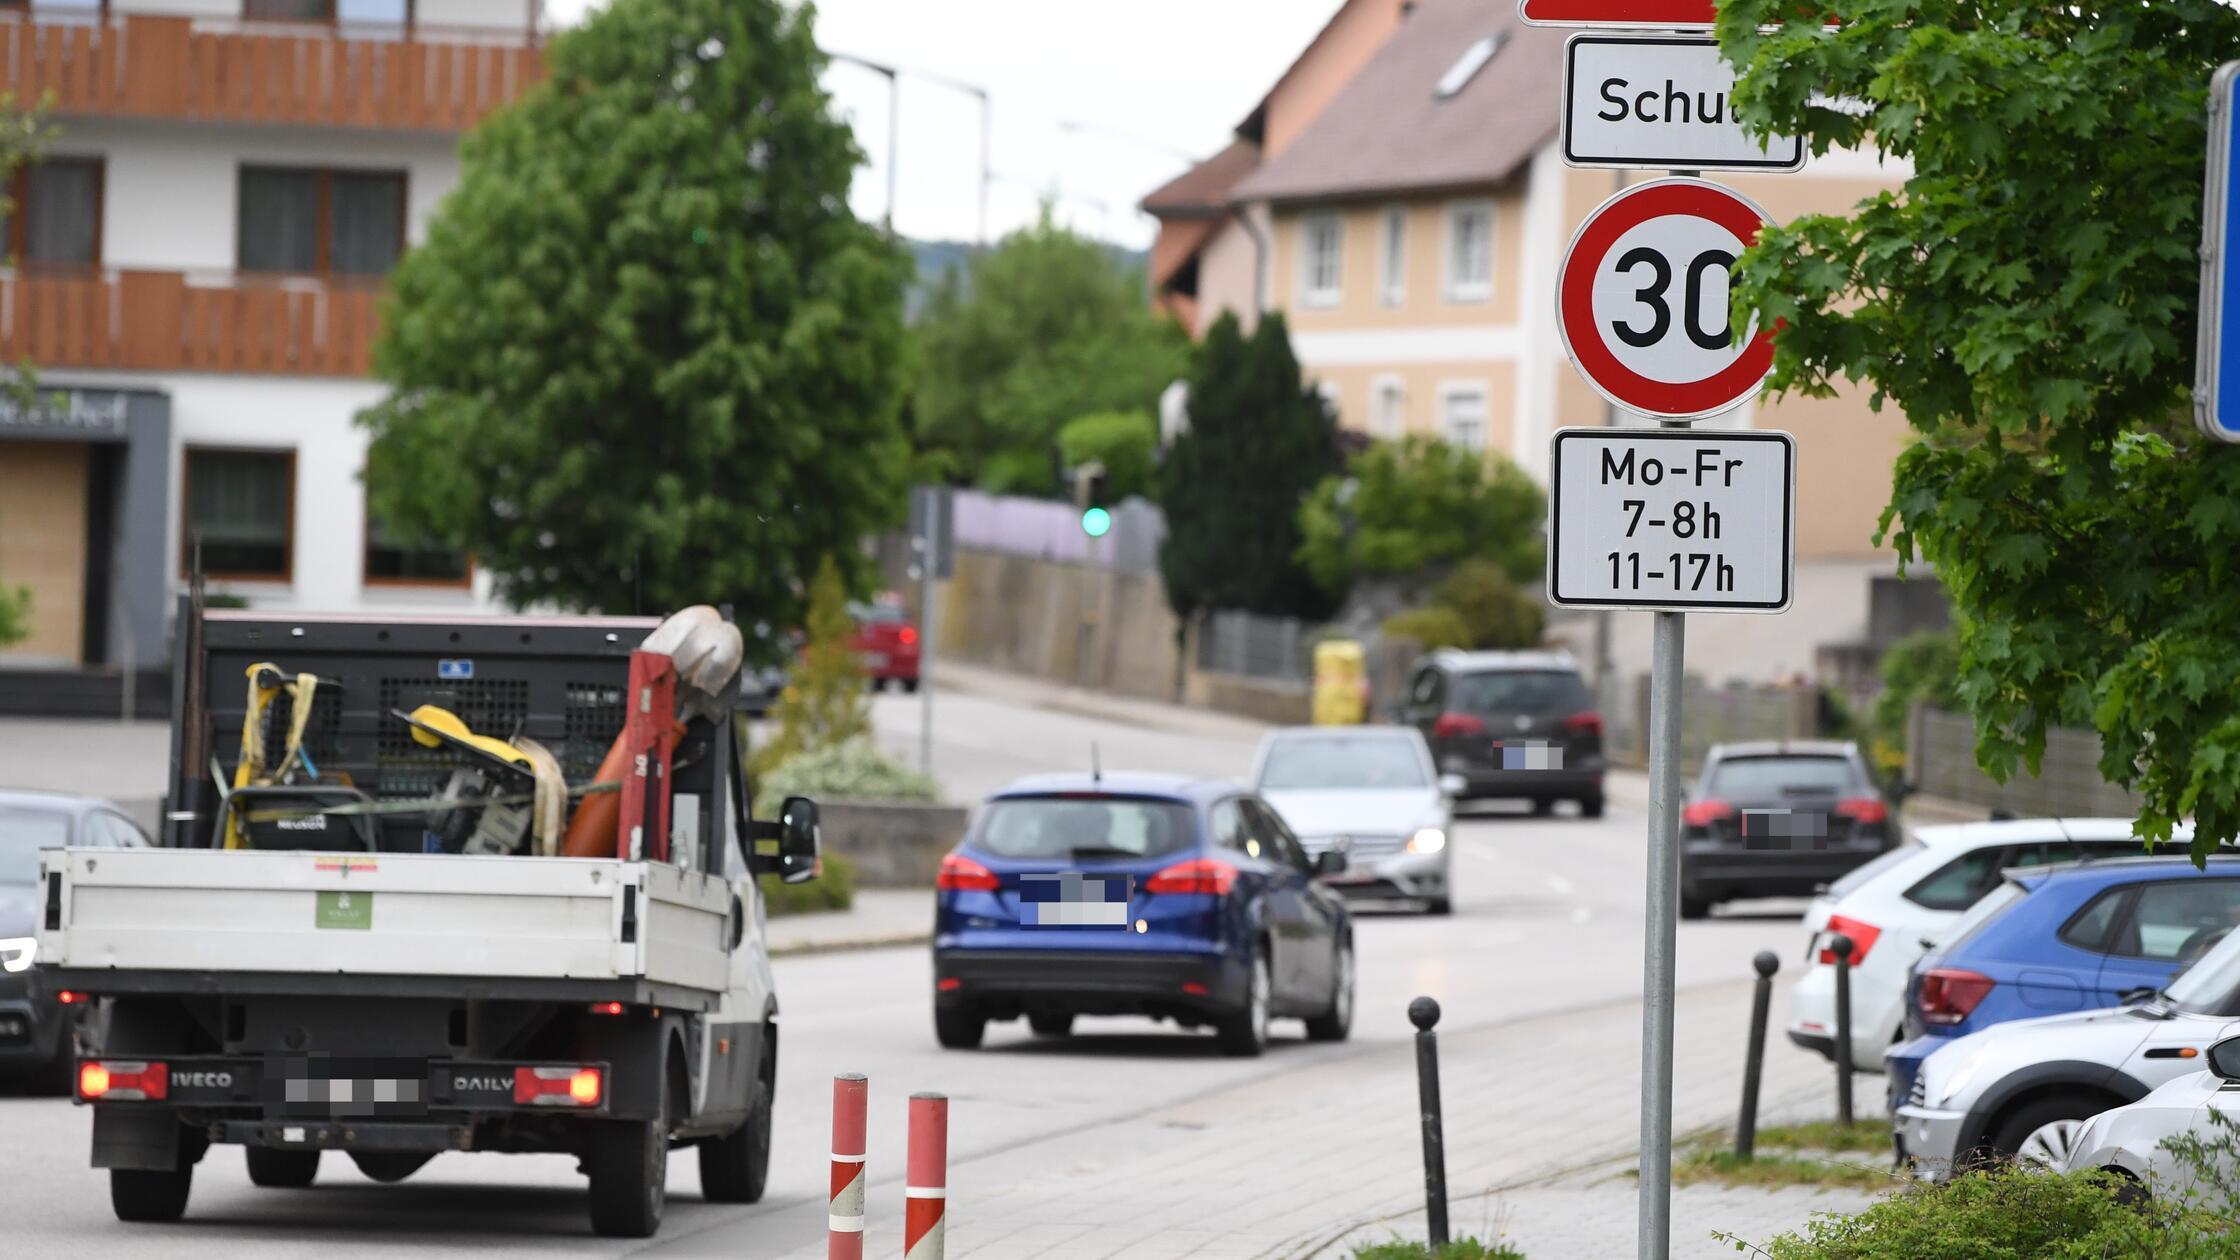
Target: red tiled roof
(1388, 132)
(1204, 188)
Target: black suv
(1777, 820)
(1514, 725)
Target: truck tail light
(1950, 994)
(123, 1080)
(1705, 813)
(1198, 875)
(1456, 725)
(961, 874)
(607, 1008)
(1863, 937)
(557, 1086)
(1864, 809)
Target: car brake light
(1864, 809)
(961, 874)
(909, 636)
(1454, 725)
(1199, 875)
(119, 1080)
(1705, 813)
(1583, 724)
(1949, 994)
(556, 1086)
(1863, 936)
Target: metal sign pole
(929, 568)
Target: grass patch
(1459, 1249)
(1774, 1170)
(1866, 1137)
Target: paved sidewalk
(1042, 693)
(880, 916)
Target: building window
(344, 12)
(1388, 409)
(243, 506)
(393, 558)
(56, 217)
(1392, 285)
(1321, 252)
(1469, 251)
(317, 221)
(1462, 416)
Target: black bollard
(1840, 945)
(1424, 1013)
(1753, 1069)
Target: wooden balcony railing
(413, 79)
(158, 321)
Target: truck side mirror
(800, 837)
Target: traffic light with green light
(1089, 496)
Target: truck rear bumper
(275, 1091)
(629, 990)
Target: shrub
(834, 888)
(15, 614)
(851, 771)
(1435, 626)
(1494, 612)
(1998, 1215)
(1459, 1249)
(1125, 442)
(823, 704)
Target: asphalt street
(1547, 921)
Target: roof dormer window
(1466, 67)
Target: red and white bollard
(926, 1178)
(844, 1225)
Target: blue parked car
(2064, 938)
(1138, 895)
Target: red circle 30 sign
(1642, 300)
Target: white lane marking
(1561, 885)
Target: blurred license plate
(874, 660)
(1529, 754)
(1070, 899)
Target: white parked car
(1372, 793)
(2130, 1139)
(2025, 1089)
(1894, 906)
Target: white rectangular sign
(1672, 519)
(1659, 101)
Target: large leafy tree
(1259, 441)
(2028, 299)
(646, 354)
(1043, 329)
(1412, 508)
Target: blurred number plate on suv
(1072, 899)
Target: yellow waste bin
(1340, 687)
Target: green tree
(2028, 299)
(1259, 440)
(1125, 442)
(823, 702)
(1043, 329)
(646, 355)
(1416, 505)
(1493, 610)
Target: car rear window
(1307, 762)
(882, 614)
(1858, 876)
(1540, 692)
(23, 832)
(1075, 828)
(1775, 777)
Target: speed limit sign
(1641, 301)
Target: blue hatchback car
(2064, 938)
(1137, 895)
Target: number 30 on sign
(1641, 300)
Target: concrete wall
(892, 846)
(1941, 763)
(1072, 624)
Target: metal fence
(1941, 762)
(1250, 645)
(1708, 715)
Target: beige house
(1415, 227)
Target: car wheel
(910, 685)
(143, 1194)
(629, 1165)
(958, 1027)
(390, 1167)
(1335, 1023)
(1438, 906)
(1050, 1025)
(1245, 1033)
(2038, 1135)
(283, 1170)
(878, 684)
(1591, 806)
(734, 1168)
(1694, 907)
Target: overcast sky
(1168, 76)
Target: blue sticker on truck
(455, 671)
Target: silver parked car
(37, 1027)
(1371, 793)
(2023, 1090)
(2132, 1140)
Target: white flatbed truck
(381, 1001)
